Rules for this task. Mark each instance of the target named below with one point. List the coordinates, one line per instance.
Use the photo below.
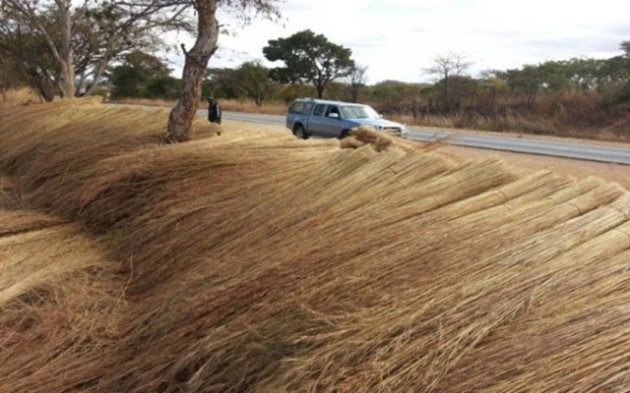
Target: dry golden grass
(248, 106)
(256, 262)
(17, 97)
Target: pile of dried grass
(16, 97)
(263, 263)
(58, 299)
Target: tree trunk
(320, 90)
(67, 56)
(96, 76)
(180, 120)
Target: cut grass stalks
(258, 263)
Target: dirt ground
(521, 162)
(576, 168)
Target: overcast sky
(397, 39)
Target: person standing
(214, 111)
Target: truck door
(316, 123)
(331, 124)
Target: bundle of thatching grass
(59, 297)
(257, 262)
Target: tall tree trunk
(320, 90)
(67, 56)
(180, 120)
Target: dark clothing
(214, 111)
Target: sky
(399, 39)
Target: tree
(180, 119)
(83, 38)
(253, 79)
(357, 81)
(447, 67)
(114, 27)
(619, 66)
(309, 57)
(60, 49)
(9, 71)
(24, 51)
(138, 76)
(220, 83)
(165, 87)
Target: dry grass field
(253, 262)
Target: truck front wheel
(299, 132)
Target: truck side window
(307, 107)
(319, 110)
(297, 107)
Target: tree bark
(180, 120)
(67, 56)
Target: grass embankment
(257, 262)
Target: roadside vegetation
(256, 262)
(111, 48)
(585, 98)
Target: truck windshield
(358, 112)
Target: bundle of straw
(255, 262)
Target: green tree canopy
(253, 79)
(309, 57)
(138, 77)
(220, 83)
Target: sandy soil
(521, 162)
(579, 169)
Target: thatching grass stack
(258, 262)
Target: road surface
(584, 150)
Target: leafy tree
(555, 76)
(139, 76)
(290, 92)
(58, 40)
(113, 28)
(392, 96)
(164, 87)
(253, 79)
(24, 51)
(389, 91)
(309, 57)
(526, 81)
(82, 38)
(220, 83)
(618, 68)
(10, 73)
(584, 74)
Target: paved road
(582, 151)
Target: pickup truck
(335, 119)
